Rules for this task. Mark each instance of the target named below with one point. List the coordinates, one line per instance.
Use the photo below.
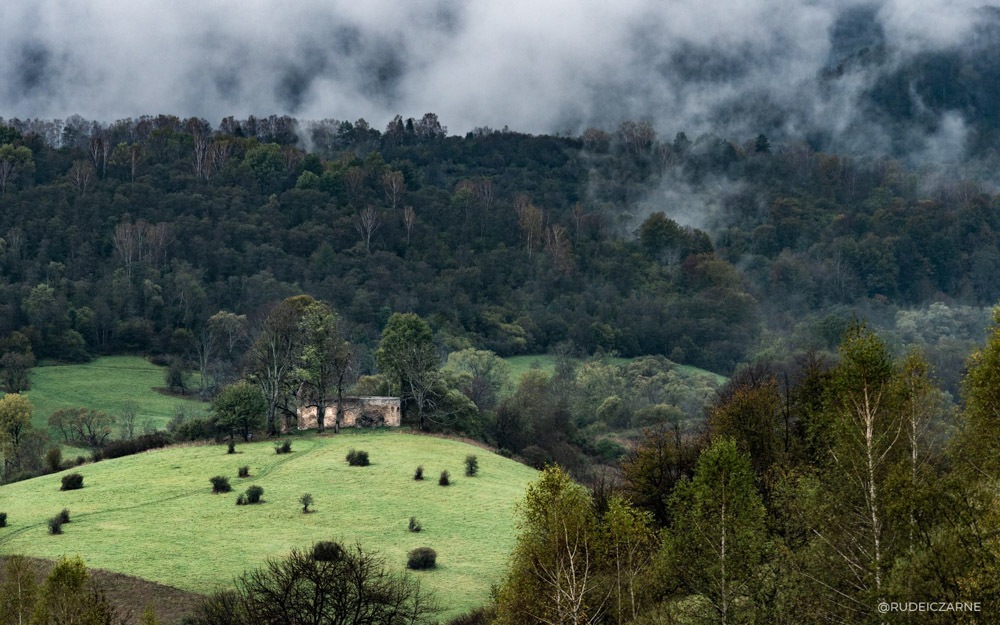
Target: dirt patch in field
(131, 595)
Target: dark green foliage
(608, 450)
(55, 525)
(415, 525)
(357, 458)
(241, 500)
(327, 551)
(220, 484)
(80, 460)
(53, 459)
(253, 494)
(139, 444)
(239, 409)
(444, 480)
(419, 473)
(63, 515)
(471, 466)
(177, 376)
(325, 584)
(421, 558)
(3, 519)
(203, 428)
(231, 448)
(306, 500)
(73, 481)
(243, 471)
(283, 447)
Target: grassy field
(546, 362)
(153, 515)
(105, 384)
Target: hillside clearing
(547, 363)
(153, 515)
(105, 384)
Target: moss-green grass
(547, 363)
(153, 515)
(105, 384)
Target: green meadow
(547, 363)
(153, 515)
(105, 384)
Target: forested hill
(116, 235)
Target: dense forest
(703, 250)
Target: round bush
(357, 458)
(471, 466)
(232, 448)
(73, 481)
(63, 516)
(444, 480)
(327, 551)
(55, 525)
(3, 519)
(53, 460)
(254, 494)
(220, 484)
(421, 558)
(415, 524)
(419, 475)
(243, 471)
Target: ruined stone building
(360, 412)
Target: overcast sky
(535, 65)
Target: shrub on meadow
(241, 500)
(357, 458)
(471, 466)
(55, 525)
(283, 447)
(327, 551)
(419, 474)
(232, 448)
(243, 471)
(415, 525)
(3, 519)
(220, 484)
(63, 515)
(73, 481)
(254, 494)
(421, 558)
(306, 500)
(445, 479)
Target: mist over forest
(902, 78)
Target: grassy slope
(104, 384)
(520, 364)
(153, 515)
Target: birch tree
(554, 577)
(367, 225)
(718, 541)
